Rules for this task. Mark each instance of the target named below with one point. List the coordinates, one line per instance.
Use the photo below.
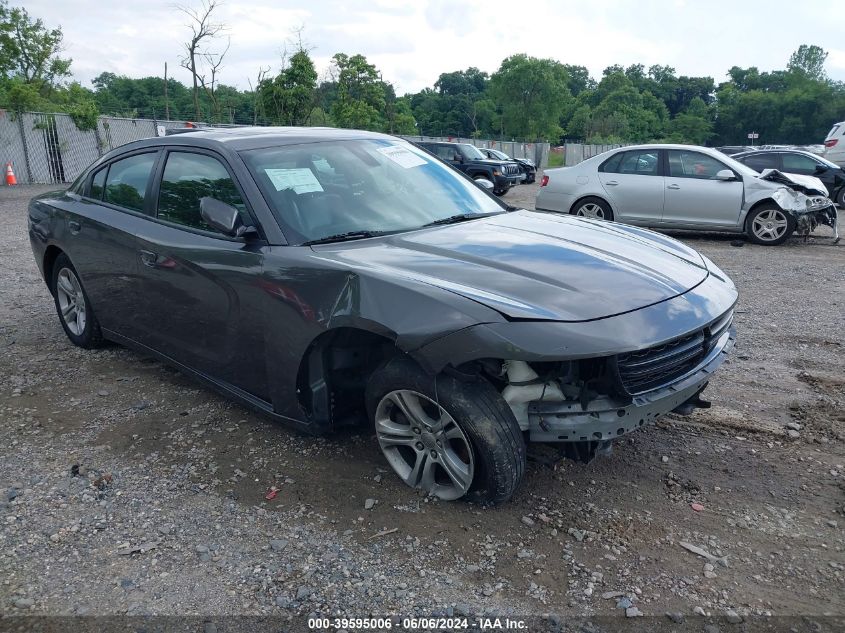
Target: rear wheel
(769, 225)
(447, 437)
(595, 208)
(72, 306)
(840, 198)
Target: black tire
(778, 215)
(89, 336)
(839, 198)
(477, 408)
(581, 207)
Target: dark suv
(504, 174)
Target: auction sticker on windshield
(402, 156)
(301, 180)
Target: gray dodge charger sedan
(326, 277)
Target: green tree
(29, 50)
(289, 98)
(808, 61)
(533, 95)
(360, 97)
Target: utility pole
(166, 102)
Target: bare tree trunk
(166, 102)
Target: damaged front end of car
(805, 199)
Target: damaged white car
(690, 188)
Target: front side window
(446, 152)
(799, 164)
(318, 190)
(127, 179)
(470, 152)
(189, 177)
(686, 164)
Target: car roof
(775, 151)
(249, 137)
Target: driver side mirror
(223, 217)
(725, 174)
(820, 169)
(458, 158)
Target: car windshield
(471, 152)
(499, 155)
(334, 188)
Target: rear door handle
(148, 258)
(74, 226)
(673, 187)
(611, 183)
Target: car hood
(538, 266)
(809, 185)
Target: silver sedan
(687, 187)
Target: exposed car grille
(511, 169)
(661, 365)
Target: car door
(100, 240)
(695, 197)
(197, 283)
(633, 182)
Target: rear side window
(832, 132)
(640, 162)
(98, 183)
(126, 183)
(188, 178)
(759, 162)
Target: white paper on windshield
(300, 180)
(402, 156)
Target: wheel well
(334, 372)
(758, 204)
(50, 255)
(582, 198)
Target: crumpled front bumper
(605, 419)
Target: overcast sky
(413, 42)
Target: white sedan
(688, 187)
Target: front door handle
(148, 258)
(74, 226)
(673, 187)
(611, 183)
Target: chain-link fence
(49, 148)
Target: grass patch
(555, 159)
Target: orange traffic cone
(10, 175)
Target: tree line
(527, 98)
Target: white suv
(834, 144)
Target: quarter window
(97, 184)
(189, 177)
(126, 183)
(684, 164)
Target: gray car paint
(244, 314)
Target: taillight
(831, 142)
(544, 181)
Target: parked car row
(484, 164)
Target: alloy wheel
(769, 225)
(590, 210)
(424, 444)
(71, 301)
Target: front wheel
(595, 208)
(769, 225)
(448, 437)
(840, 198)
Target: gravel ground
(125, 488)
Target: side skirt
(225, 389)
